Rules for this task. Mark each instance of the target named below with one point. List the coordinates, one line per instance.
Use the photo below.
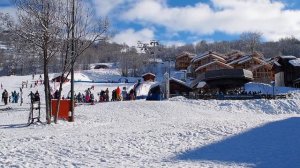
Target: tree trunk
(47, 87)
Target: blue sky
(190, 21)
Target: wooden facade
(262, 70)
(214, 65)
(183, 60)
(263, 73)
(209, 61)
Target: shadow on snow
(275, 144)
(8, 126)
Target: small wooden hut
(149, 77)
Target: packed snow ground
(173, 133)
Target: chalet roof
(246, 58)
(240, 59)
(208, 54)
(234, 55)
(201, 84)
(287, 57)
(260, 65)
(59, 74)
(295, 62)
(214, 62)
(185, 53)
(180, 81)
(258, 54)
(277, 64)
(148, 74)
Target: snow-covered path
(149, 134)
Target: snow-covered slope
(174, 133)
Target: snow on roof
(59, 74)
(148, 74)
(260, 65)
(295, 62)
(207, 54)
(203, 66)
(201, 84)
(185, 53)
(246, 57)
(276, 63)
(180, 81)
(288, 57)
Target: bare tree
(81, 31)
(251, 40)
(39, 25)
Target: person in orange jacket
(118, 92)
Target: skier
(113, 96)
(118, 93)
(36, 96)
(79, 97)
(31, 96)
(87, 95)
(56, 94)
(92, 100)
(17, 97)
(107, 95)
(124, 94)
(5, 96)
(131, 94)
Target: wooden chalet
(214, 65)
(149, 77)
(183, 60)
(179, 87)
(208, 61)
(287, 71)
(234, 55)
(262, 70)
(58, 78)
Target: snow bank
(280, 106)
(267, 88)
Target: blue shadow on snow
(275, 144)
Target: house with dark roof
(261, 69)
(149, 77)
(287, 71)
(183, 60)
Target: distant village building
(58, 78)
(149, 77)
(261, 69)
(179, 87)
(210, 61)
(101, 66)
(183, 60)
(287, 71)
(207, 62)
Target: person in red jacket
(118, 93)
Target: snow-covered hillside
(174, 133)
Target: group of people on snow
(10, 98)
(34, 97)
(87, 96)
